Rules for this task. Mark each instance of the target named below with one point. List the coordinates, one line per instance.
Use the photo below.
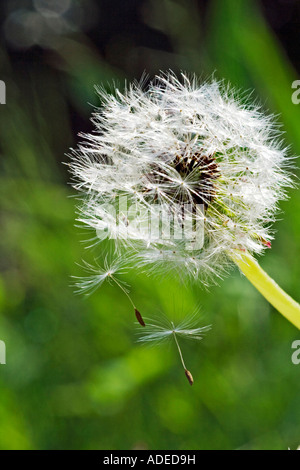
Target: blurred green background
(75, 376)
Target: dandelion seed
(107, 273)
(162, 329)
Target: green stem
(267, 287)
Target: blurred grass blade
(247, 51)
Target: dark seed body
(139, 317)
(189, 376)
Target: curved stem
(178, 347)
(125, 291)
(287, 306)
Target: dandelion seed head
(182, 144)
